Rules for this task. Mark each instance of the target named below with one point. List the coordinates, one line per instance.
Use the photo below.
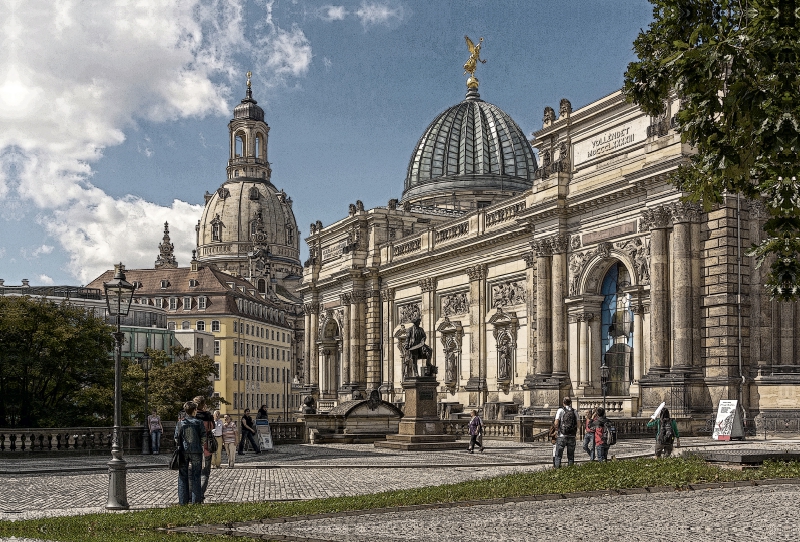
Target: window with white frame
(201, 302)
(201, 325)
(216, 348)
(173, 303)
(214, 326)
(187, 303)
(216, 366)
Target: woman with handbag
(229, 439)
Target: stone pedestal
(420, 428)
(546, 391)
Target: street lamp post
(119, 294)
(604, 381)
(146, 364)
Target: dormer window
(201, 302)
(254, 193)
(193, 283)
(187, 303)
(164, 284)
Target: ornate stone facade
(525, 297)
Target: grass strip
(140, 525)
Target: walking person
(229, 439)
(156, 429)
(248, 432)
(190, 433)
(600, 445)
(588, 438)
(475, 431)
(666, 434)
(208, 422)
(567, 424)
(216, 457)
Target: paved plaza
(69, 486)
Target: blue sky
(113, 118)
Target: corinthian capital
(345, 298)
(685, 212)
(656, 217)
(427, 284)
(560, 243)
(477, 271)
(542, 247)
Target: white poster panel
(264, 434)
(728, 424)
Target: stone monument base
(421, 428)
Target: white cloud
(2, 251)
(372, 13)
(327, 62)
(32, 254)
(44, 279)
(74, 76)
(334, 13)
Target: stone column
(595, 346)
(530, 315)
(682, 304)
(638, 341)
(428, 312)
(372, 318)
(697, 289)
(583, 347)
(354, 349)
(387, 295)
(657, 220)
(307, 353)
(559, 312)
(313, 372)
(345, 331)
(544, 360)
(477, 346)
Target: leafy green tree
(172, 384)
(734, 65)
(50, 354)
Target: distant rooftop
(67, 292)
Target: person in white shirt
(567, 423)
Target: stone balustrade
(504, 214)
(452, 232)
(97, 440)
(521, 429)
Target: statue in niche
(418, 350)
(451, 361)
(504, 358)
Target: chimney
(2, 283)
(26, 283)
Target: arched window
(216, 231)
(254, 193)
(239, 145)
(290, 236)
(616, 329)
(259, 146)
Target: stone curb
(230, 528)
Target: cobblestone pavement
(748, 513)
(70, 486)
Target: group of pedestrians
(599, 434)
(202, 436)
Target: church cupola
(248, 140)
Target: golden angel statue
(474, 58)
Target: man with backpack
(666, 434)
(567, 425)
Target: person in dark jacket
(664, 441)
(190, 433)
(262, 413)
(208, 422)
(599, 424)
(248, 431)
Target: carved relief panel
(507, 294)
(408, 312)
(452, 304)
